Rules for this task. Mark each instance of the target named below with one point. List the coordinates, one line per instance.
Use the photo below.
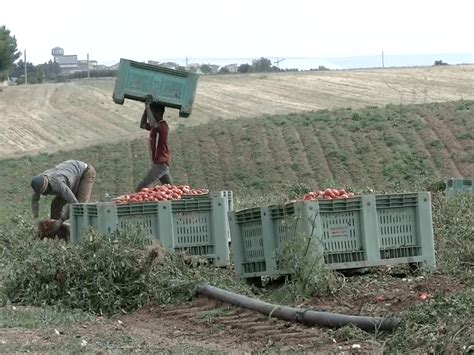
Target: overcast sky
(157, 30)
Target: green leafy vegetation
(300, 256)
(38, 317)
(104, 274)
(8, 51)
(440, 326)
(454, 236)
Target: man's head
(158, 110)
(40, 184)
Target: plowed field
(51, 117)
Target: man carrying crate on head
(152, 120)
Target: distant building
(82, 65)
(67, 63)
(57, 52)
(70, 63)
(170, 65)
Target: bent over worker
(152, 120)
(70, 181)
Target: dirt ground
(208, 325)
(50, 117)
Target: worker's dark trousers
(157, 172)
(83, 194)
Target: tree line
(261, 65)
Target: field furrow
(438, 151)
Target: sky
(158, 30)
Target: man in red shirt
(152, 120)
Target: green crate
(358, 232)
(196, 226)
(458, 186)
(257, 234)
(172, 88)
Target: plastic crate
(172, 88)
(258, 232)
(196, 226)
(358, 232)
(458, 186)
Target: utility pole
(88, 75)
(278, 60)
(26, 71)
(383, 64)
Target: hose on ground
(299, 315)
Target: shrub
(301, 257)
(104, 274)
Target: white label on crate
(339, 232)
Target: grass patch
(440, 326)
(454, 235)
(466, 136)
(36, 317)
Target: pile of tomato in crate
(328, 194)
(165, 192)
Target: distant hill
(50, 117)
(353, 62)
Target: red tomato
(329, 193)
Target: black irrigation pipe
(299, 315)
